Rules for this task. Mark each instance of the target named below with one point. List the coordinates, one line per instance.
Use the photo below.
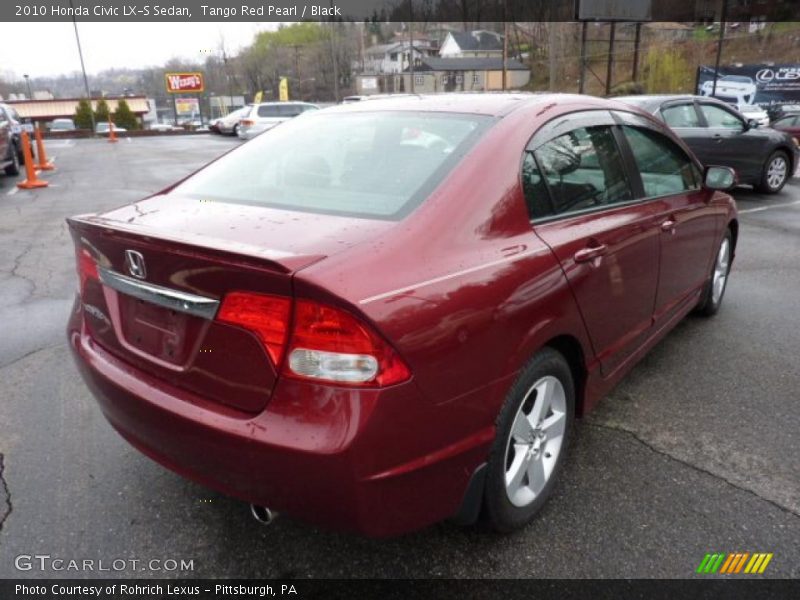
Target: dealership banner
(762, 84)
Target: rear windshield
(372, 165)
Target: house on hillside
(394, 57)
(472, 44)
(434, 74)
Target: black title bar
(464, 11)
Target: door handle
(669, 226)
(590, 253)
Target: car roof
(492, 104)
(281, 103)
(652, 102)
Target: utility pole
(505, 46)
(637, 43)
(610, 66)
(410, 44)
(582, 80)
(335, 63)
(83, 67)
(551, 51)
(722, 17)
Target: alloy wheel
(535, 441)
(721, 271)
(776, 172)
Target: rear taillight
(246, 122)
(87, 268)
(329, 344)
(325, 343)
(265, 315)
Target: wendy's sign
(181, 83)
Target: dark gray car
(719, 135)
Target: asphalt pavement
(696, 451)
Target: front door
(672, 184)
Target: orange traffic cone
(112, 137)
(31, 180)
(43, 165)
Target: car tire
(528, 453)
(776, 173)
(235, 131)
(714, 292)
(12, 170)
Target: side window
(664, 167)
(268, 110)
(584, 169)
(785, 122)
(537, 198)
(683, 115)
(719, 117)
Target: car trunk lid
(164, 266)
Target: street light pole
(83, 67)
(28, 85)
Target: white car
(229, 124)
(264, 116)
(103, 128)
(753, 112)
(740, 88)
(164, 127)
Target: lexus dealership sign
(182, 83)
(765, 85)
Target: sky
(50, 48)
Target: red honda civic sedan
(389, 313)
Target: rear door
(268, 115)
(672, 183)
(685, 120)
(583, 205)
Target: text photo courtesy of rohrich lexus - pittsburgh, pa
(400, 298)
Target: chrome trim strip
(199, 306)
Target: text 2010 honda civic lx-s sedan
(382, 315)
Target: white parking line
(12, 191)
(760, 208)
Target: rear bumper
(377, 462)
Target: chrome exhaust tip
(262, 514)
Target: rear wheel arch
(570, 348)
(733, 225)
(789, 154)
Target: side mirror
(720, 178)
(752, 124)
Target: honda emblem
(134, 262)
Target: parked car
(229, 124)
(62, 125)
(753, 112)
(9, 153)
(264, 116)
(718, 135)
(778, 111)
(375, 334)
(790, 125)
(165, 127)
(102, 127)
(17, 125)
(351, 99)
(739, 88)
